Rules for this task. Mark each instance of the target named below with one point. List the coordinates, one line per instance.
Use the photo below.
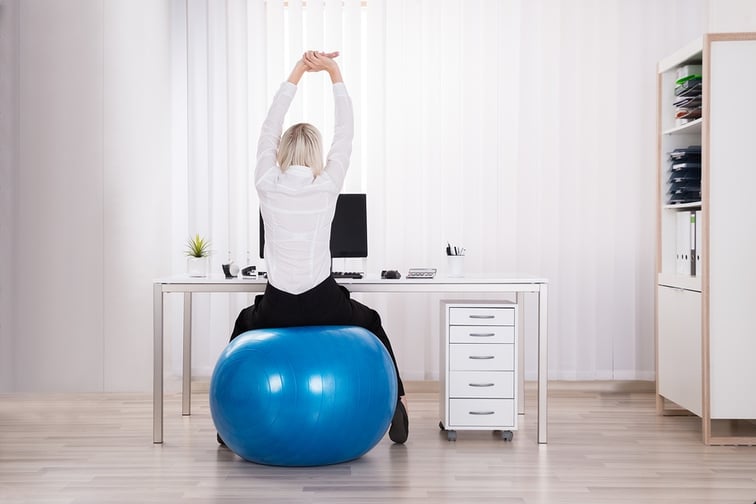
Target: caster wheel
(507, 435)
(441, 425)
(451, 435)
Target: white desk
(504, 286)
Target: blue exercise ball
(303, 396)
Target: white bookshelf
(706, 322)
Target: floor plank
(604, 446)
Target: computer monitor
(348, 230)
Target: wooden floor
(604, 447)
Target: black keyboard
(347, 274)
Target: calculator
(421, 273)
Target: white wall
(136, 166)
(85, 138)
(89, 185)
(732, 16)
(58, 283)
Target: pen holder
(455, 266)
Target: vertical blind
(521, 130)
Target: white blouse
(296, 207)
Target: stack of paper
(688, 89)
(684, 182)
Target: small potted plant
(197, 252)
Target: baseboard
(600, 385)
(202, 385)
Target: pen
(454, 250)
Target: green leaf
(197, 246)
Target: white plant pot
(197, 266)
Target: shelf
(683, 206)
(676, 281)
(691, 128)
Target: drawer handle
(481, 412)
(481, 357)
(481, 384)
(482, 335)
(482, 316)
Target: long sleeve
(337, 161)
(270, 132)
(297, 207)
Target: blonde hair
(301, 145)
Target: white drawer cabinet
(478, 368)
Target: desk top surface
(367, 280)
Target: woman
(298, 196)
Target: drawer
(478, 334)
(481, 316)
(499, 384)
(481, 413)
(481, 357)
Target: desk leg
(520, 299)
(157, 363)
(543, 363)
(186, 386)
